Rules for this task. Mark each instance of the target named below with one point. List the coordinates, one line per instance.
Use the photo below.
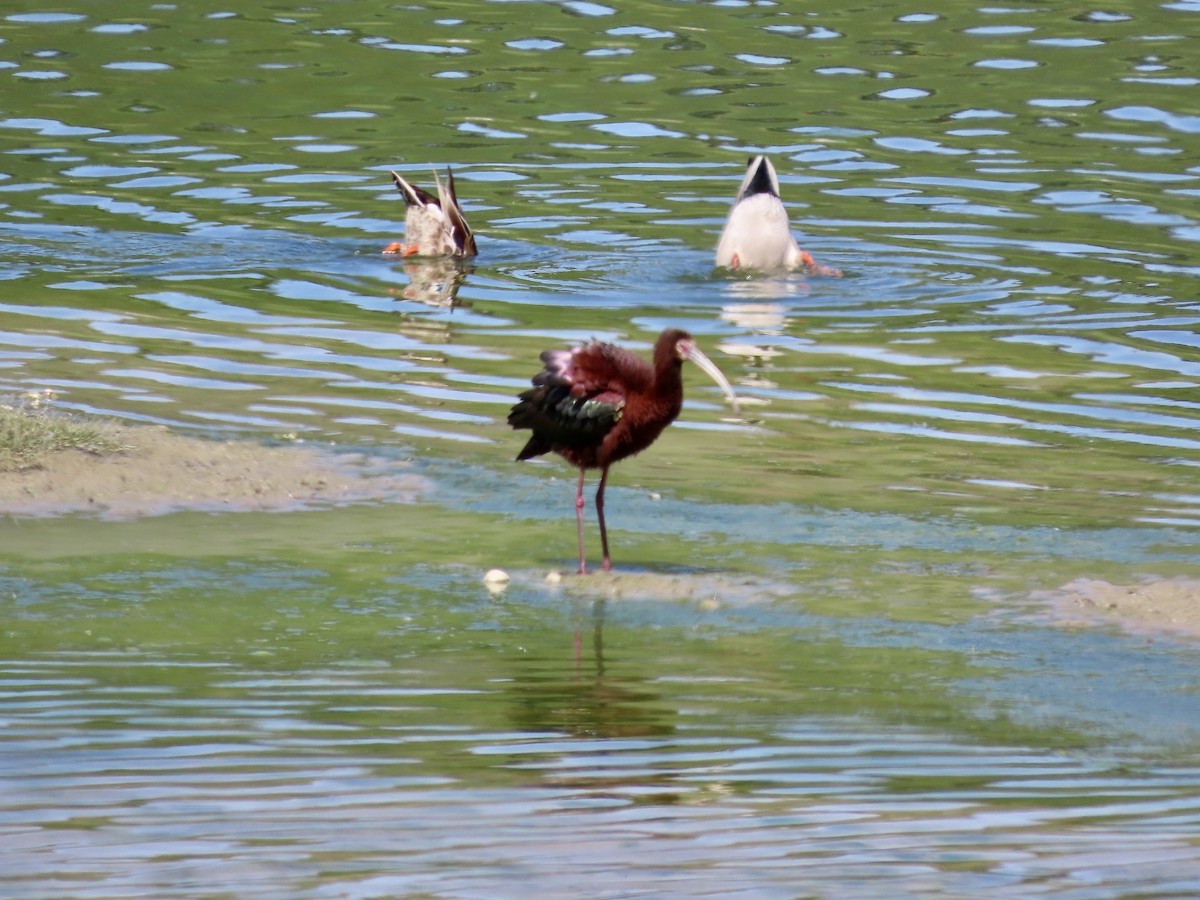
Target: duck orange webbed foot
(399, 248)
(812, 267)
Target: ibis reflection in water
(597, 403)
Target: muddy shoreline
(1150, 607)
(164, 472)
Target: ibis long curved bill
(706, 365)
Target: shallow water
(818, 672)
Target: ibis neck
(669, 373)
(668, 385)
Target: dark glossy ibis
(597, 403)
(757, 234)
(433, 226)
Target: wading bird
(433, 226)
(597, 403)
(757, 234)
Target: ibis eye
(683, 349)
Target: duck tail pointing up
(760, 178)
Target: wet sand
(163, 472)
(1153, 606)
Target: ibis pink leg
(579, 504)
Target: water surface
(824, 675)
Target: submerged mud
(1153, 606)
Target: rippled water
(829, 682)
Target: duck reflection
(435, 281)
(758, 309)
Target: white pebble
(495, 578)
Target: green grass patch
(29, 432)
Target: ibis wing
(598, 368)
(560, 420)
(578, 397)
